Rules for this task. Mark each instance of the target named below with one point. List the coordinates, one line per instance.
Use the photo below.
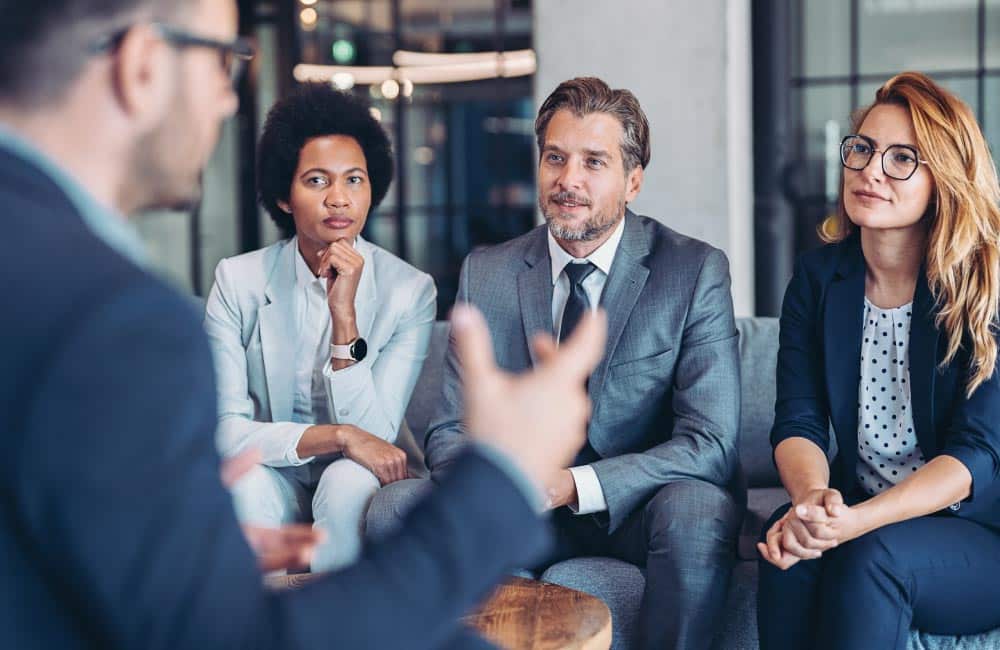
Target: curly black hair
(316, 109)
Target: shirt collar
(111, 227)
(601, 258)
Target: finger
(803, 534)
(823, 532)
(773, 538)
(582, 351)
(237, 466)
(287, 559)
(787, 561)
(765, 553)
(345, 261)
(790, 544)
(289, 537)
(325, 266)
(398, 470)
(472, 343)
(834, 502)
(811, 513)
(544, 347)
(346, 249)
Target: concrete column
(688, 62)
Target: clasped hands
(819, 522)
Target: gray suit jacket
(666, 396)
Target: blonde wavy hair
(963, 217)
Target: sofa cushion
(761, 502)
(758, 358)
(427, 391)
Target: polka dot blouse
(887, 440)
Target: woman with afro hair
(318, 339)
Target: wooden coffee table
(526, 614)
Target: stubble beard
(594, 227)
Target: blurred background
(747, 103)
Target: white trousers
(335, 496)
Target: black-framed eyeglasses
(234, 55)
(899, 161)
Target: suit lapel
(276, 320)
(534, 290)
(843, 323)
(621, 292)
(923, 366)
(365, 299)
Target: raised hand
(342, 266)
(538, 418)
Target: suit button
(955, 507)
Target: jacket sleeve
(446, 432)
(237, 429)
(973, 435)
(121, 499)
(372, 395)
(801, 406)
(706, 405)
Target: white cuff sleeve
(589, 493)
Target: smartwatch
(356, 350)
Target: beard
(164, 170)
(592, 228)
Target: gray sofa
(620, 584)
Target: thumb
(833, 502)
(472, 343)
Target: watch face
(359, 350)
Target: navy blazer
(115, 530)
(819, 369)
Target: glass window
(930, 35)
(993, 33)
(826, 39)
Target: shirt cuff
(531, 492)
(292, 454)
(343, 373)
(589, 493)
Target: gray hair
(585, 95)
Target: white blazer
(250, 321)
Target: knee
(693, 513)
(259, 498)
(863, 563)
(344, 478)
(392, 503)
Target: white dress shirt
(590, 493)
(312, 354)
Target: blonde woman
(889, 335)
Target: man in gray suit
(658, 482)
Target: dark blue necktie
(577, 303)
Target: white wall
(688, 62)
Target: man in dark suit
(659, 472)
(115, 529)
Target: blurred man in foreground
(116, 529)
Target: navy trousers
(938, 574)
